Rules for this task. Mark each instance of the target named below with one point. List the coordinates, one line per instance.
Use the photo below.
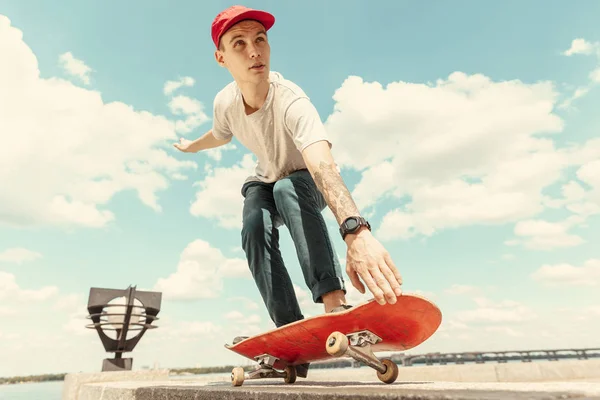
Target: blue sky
(476, 124)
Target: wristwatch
(353, 224)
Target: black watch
(353, 224)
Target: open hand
(183, 145)
(366, 258)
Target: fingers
(180, 145)
(392, 283)
(374, 265)
(392, 275)
(380, 279)
(379, 276)
(372, 285)
(393, 268)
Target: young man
(295, 178)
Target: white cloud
(304, 297)
(504, 330)
(589, 313)
(566, 274)
(73, 308)
(489, 312)
(544, 235)
(92, 150)
(75, 67)
(464, 151)
(243, 319)
(177, 331)
(460, 152)
(10, 291)
(18, 255)
(451, 325)
(196, 328)
(200, 273)
(219, 197)
(581, 46)
(216, 153)
(595, 75)
(244, 302)
(70, 302)
(171, 86)
(234, 315)
(192, 109)
(579, 92)
(461, 289)
(590, 174)
(7, 312)
(581, 196)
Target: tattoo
(336, 194)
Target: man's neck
(254, 95)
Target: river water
(32, 391)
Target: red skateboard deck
(401, 326)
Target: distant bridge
(473, 357)
(495, 356)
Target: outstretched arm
(204, 142)
(322, 166)
(366, 257)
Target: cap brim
(265, 18)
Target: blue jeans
(296, 202)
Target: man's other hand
(366, 258)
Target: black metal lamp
(128, 310)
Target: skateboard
(357, 332)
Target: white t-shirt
(276, 133)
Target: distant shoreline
(17, 380)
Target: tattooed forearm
(336, 194)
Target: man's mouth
(257, 66)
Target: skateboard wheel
(337, 344)
(290, 374)
(391, 374)
(237, 376)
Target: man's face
(245, 52)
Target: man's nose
(253, 50)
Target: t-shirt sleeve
(304, 124)
(220, 128)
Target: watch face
(351, 223)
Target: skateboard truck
(264, 370)
(358, 346)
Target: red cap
(234, 14)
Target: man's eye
(239, 43)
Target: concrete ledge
(73, 382)
(304, 392)
(539, 380)
(312, 390)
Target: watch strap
(360, 222)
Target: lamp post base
(117, 364)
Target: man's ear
(219, 58)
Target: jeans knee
(283, 191)
(255, 223)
